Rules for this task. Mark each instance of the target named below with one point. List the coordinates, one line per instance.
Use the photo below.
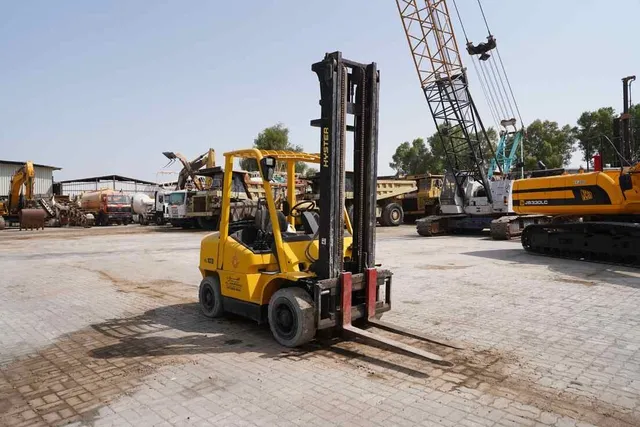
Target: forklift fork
(372, 302)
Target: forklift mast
(347, 88)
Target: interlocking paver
(98, 336)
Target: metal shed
(130, 186)
(43, 180)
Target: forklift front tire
(210, 297)
(291, 317)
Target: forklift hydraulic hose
(306, 251)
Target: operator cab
(299, 222)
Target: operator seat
(310, 222)
(263, 221)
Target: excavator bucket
(171, 156)
(31, 219)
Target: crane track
(569, 240)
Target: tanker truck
(107, 206)
(147, 210)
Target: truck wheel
(210, 297)
(392, 215)
(291, 317)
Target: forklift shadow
(181, 330)
(583, 272)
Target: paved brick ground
(100, 327)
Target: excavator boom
(23, 176)
(191, 167)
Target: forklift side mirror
(267, 167)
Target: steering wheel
(302, 206)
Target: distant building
(43, 185)
(129, 186)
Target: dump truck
(201, 209)
(107, 206)
(426, 200)
(389, 199)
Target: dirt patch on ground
(83, 371)
(442, 267)
(65, 382)
(167, 290)
(73, 233)
(490, 372)
(575, 281)
(86, 370)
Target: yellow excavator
(21, 206)
(593, 215)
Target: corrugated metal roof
(12, 162)
(42, 182)
(119, 178)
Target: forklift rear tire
(291, 317)
(392, 215)
(210, 297)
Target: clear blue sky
(105, 87)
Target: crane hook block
(482, 49)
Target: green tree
(548, 142)
(412, 158)
(273, 138)
(309, 172)
(594, 127)
(417, 157)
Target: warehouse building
(43, 185)
(129, 186)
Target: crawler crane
(475, 191)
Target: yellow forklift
(304, 267)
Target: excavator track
(510, 226)
(435, 225)
(606, 242)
